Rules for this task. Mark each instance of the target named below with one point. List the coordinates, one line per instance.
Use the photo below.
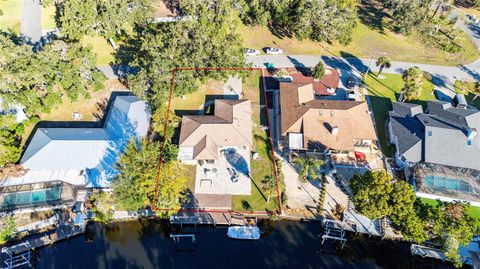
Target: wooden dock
(19, 254)
(201, 218)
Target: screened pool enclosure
(36, 194)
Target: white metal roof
(53, 151)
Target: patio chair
(207, 180)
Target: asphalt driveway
(31, 26)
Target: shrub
(318, 71)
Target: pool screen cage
(36, 194)
(465, 176)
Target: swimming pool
(16, 199)
(440, 182)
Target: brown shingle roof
(330, 80)
(316, 118)
(231, 125)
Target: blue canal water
(285, 244)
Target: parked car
(252, 52)
(284, 79)
(350, 83)
(473, 18)
(271, 50)
(351, 96)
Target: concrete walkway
(31, 24)
(233, 86)
(302, 196)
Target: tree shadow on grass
(371, 14)
(377, 93)
(278, 31)
(267, 143)
(381, 107)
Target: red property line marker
(160, 159)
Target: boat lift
(14, 260)
(184, 242)
(334, 230)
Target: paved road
(31, 26)
(115, 71)
(442, 76)
(464, 24)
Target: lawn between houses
(472, 210)
(260, 168)
(382, 92)
(466, 88)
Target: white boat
(244, 232)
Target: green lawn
(190, 171)
(263, 166)
(48, 17)
(466, 89)
(367, 38)
(101, 47)
(473, 210)
(196, 99)
(11, 13)
(382, 92)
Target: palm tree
(413, 79)
(308, 167)
(476, 90)
(268, 184)
(382, 62)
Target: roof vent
(334, 130)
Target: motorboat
(244, 232)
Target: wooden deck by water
(204, 218)
(19, 254)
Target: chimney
(334, 130)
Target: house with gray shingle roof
(443, 138)
(442, 134)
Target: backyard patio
(228, 175)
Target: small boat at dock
(244, 232)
